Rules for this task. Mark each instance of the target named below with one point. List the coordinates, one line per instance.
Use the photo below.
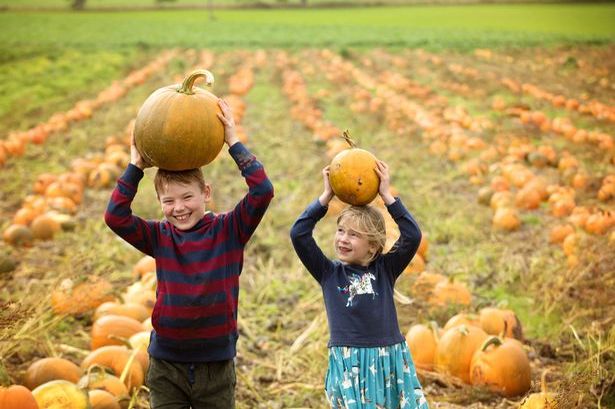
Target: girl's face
(352, 247)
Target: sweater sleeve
(118, 216)
(305, 246)
(247, 214)
(404, 249)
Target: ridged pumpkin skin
(17, 396)
(502, 366)
(456, 349)
(352, 175)
(494, 321)
(177, 127)
(51, 369)
(61, 395)
(103, 400)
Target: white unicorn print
(359, 285)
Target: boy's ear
(207, 193)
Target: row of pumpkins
(16, 142)
(533, 189)
(113, 370)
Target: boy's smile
(183, 205)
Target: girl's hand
(135, 157)
(227, 120)
(327, 193)
(382, 170)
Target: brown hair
(185, 177)
(369, 222)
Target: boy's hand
(327, 193)
(135, 157)
(227, 120)
(382, 170)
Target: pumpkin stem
(348, 140)
(128, 366)
(493, 340)
(543, 381)
(188, 83)
(433, 325)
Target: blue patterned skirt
(373, 378)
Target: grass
(462, 27)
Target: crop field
(498, 124)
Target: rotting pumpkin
(177, 127)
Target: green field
(421, 26)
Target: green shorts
(202, 385)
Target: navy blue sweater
(359, 300)
(195, 315)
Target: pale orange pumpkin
(61, 394)
(97, 377)
(17, 396)
(131, 310)
(116, 358)
(51, 369)
(502, 366)
(177, 127)
(447, 292)
(462, 319)
(496, 321)
(113, 330)
(423, 341)
(541, 400)
(352, 175)
(456, 349)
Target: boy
(199, 257)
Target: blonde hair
(367, 221)
(185, 177)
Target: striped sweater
(195, 315)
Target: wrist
(325, 198)
(387, 198)
(232, 141)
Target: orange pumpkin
(456, 349)
(131, 310)
(113, 330)
(17, 396)
(496, 321)
(462, 319)
(177, 127)
(51, 369)
(100, 399)
(448, 292)
(18, 235)
(98, 378)
(352, 175)
(144, 265)
(423, 341)
(44, 227)
(502, 366)
(116, 358)
(541, 400)
(77, 298)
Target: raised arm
(118, 216)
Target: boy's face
(352, 247)
(183, 205)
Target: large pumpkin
(113, 330)
(177, 127)
(352, 175)
(423, 341)
(502, 366)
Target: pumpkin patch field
(501, 143)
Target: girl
(370, 365)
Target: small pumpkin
(541, 400)
(130, 310)
(98, 378)
(113, 330)
(17, 396)
(496, 321)
(177, 127)
(352, 175)
(44, 227)
(502, 366)
(51, 369)
(448, 292)
(61, 395)
(116, 358)
(145, 264)
(100, 399)
(18, 235)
